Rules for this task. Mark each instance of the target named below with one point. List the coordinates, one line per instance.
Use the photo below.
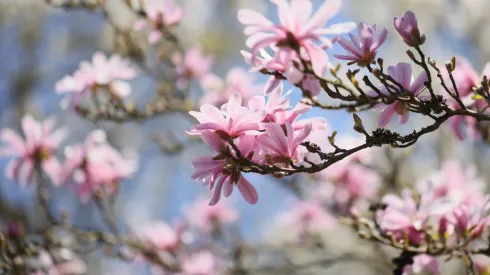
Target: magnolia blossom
(408, 28)
(466, 78)
(402, 73)
(285, 62)
(348, 184)
(404, 217)
(422, 263)
(362, 49)
(454, 184)
(481, 264)
(282, 145)
(160, 14)
(298, 30)
(36, 150)
(158, 236)
(307, 217)
(223, 171)
(205, 217)
(468, 221)
(217, 91)
(192, 66)
(234, 120)
(201, 263)
(104, 73)
(96, 166)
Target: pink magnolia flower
(402, 73)
(96, 166)
(362, 49)
(307, 217)
(422, 263)
(233, 120)
(223, 171)
(404, 216)
(282, 144)
(101, 73)
(193, 66)
(38, 149)
(481, 264)
(217, 91)
(408, 28)
(455, 184)
(158, 236)
(287, 63)
(205, 218)
(466, 78)
(297, 30)
(468, 221)
(275, 102)
(201, 263)
(160, 14)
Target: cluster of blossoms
(93, 167)
(183, 242)
(102, 74)
(266, 131)
(159, 15)
(466, 78)
(448, 206)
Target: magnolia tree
(255, 129)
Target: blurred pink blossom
(466, 78)
(217, 91)
(455, 184)
(106, 73)
(205, 217)
(402, 73)
(404, 216)
(160, 14)
(307, 217)
(298, 30)
(362, 48)
(96, 166)
(194, 65)
(422, 264)
(348, 184)
(158, 236)
(201, 263)
(37, 149)
(407, 26)
(468, 221)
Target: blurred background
(40, 44)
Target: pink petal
(318, 57)
(326, 11)
(404, 74)
(419, 83)
(217, 191)
(247, 190)
(404, 118)
(386, 115)
(13, 140)
(271, 84)
(228, 189)
(251, 17)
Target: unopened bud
(410, 55)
